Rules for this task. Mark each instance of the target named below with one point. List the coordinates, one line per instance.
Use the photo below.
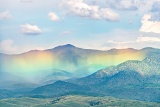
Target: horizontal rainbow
(40, 63)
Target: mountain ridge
(73, 46)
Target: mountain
(58, 88)
(123, 78)
(36, 65)
(138, 80)
(56, 75)
(147, 70)
(13, 82)
(6, 94)
(147, 67)
(129, 80)
(94, 78)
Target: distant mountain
(56, 75)
(36, 65)
(13, 82)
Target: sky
(93, 24)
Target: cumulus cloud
(5, 15)
(149, 25)
(80, 8)
(52, 16)
(6, 46)
(28, 29)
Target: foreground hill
(75, 101)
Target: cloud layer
(29, 29)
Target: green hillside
(75, 101)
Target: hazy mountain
(56, 75)
(15, 83)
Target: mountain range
(123, 73)
(35, 65)
(125, 80)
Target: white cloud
(53, 16)
(6, 46)
(140, 38)
(80, 8)
(141, 6)
(30, 29)
(148, 39)
(148, 25)
(144, 40)
(5, 15)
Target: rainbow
(41, 63)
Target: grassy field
(74, 101)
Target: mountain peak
(62, 47)
(68, 45)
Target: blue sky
(42, 24)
